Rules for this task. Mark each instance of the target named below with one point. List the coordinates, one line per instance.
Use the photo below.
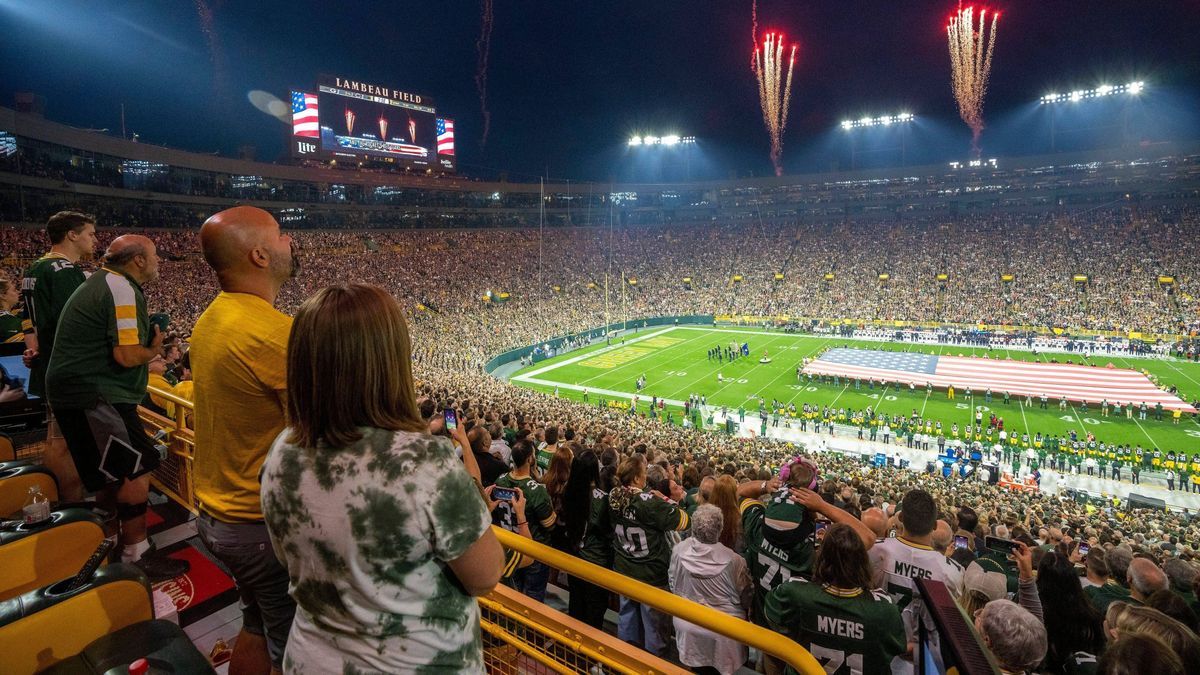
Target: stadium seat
(15, 480)
(33, 557)
(32, 635)
(8, 451)
(162, 643)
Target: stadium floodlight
(882, 121)
(669, 139)
(1101, 91)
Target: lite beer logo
(181, 590)
(305, 148)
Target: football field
(674, 363)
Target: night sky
(569, 82)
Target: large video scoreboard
(361, 121)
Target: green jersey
(597, 537)
(538, 511)
(10, 327)
(46, 287)
(544, 456)
(107, 311)
(848, 631)
(641, 522)
(786, 555)
(1103, 596)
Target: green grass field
(674, 363)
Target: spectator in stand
(724, 496)
(490, 467)
(1096, 574)
(1144, 579)
(1074, 629)
(239, 359)
(95, 382)
(1182, 575)
(555, 479)
(1124, 620)
(1137, 654)
(1014, 636)
(840, 613)
(546, 453)
(382, 529)
(641, 521)
(45, 287)
(588, 535)
(529, 580)
(705, 570)
(897, 561)
(10, 323)
(1174, 606)
(1114, 589)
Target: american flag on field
(445, 136)
(1019, 378)
(304, 115)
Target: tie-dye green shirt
(365, 533)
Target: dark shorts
(114, 428)
(262, 582)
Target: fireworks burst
(774, 91)
(482, 47)
(753, 31)
(970, 64)
(205, 12)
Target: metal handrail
(747, 633)
(760, 638)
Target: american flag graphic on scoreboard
(445, 136)
(1093, 384)
(304, 115)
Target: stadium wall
(1076, 333)
(557, 342)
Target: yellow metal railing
(520, 632)
(760, 638)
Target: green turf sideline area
(674, 363)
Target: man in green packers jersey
(546, 453)
(46, 286)
(779, 531)
(642, 521)
(839, 617)
(529, 580)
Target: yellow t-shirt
(159, 382)
(239, 366)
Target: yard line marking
(656, 352)
(719, 366)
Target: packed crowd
(569, 279)
(719, 520)
(540, 445)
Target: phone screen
(451, 420)
(503, 494)
(1083, 550)
(960, 541)
(998, 544)
(821, 530)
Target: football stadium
(646, 338)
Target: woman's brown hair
(724, 496)
(349, 366)
(842, 560)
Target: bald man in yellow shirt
(238, 358)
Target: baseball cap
(987, 577)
